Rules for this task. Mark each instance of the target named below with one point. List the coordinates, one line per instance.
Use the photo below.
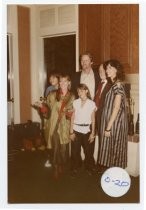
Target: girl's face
(82, 93)
(53, 80)
(64, 83)
(111, 71)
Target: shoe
(60, 169)
(55, 173)
(42, 148)
(89, 172)
(47, 164)
(74, 173)
(101, 169)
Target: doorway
(60, 55)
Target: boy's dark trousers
(82, 140)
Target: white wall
(134, 80)
(48, 21)
(12, 30)
(35, 60)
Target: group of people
(88, 104)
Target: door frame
(10, 77)
(37, 50)
(42, 69)
(69, 34)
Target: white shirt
(89, 80)
(83, 115)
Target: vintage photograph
(73, 116)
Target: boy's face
(53, 80)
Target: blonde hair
(66, 76)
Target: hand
(91, 138)
(72, 136)
(38, 103)
(107, 133)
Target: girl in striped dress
(114, 126)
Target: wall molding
(133, 79)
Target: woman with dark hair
(82, 130)
(57, 127)
(114, 126)
(102, 89)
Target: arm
(49, 100)
(72, 121)
(116, 107)
(92, 135)
(72, 134)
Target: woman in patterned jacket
(60, 103)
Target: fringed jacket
(61, 108)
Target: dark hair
(84, 87)
(99, 65)
(118, 66)
(54, 74)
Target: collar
(90, 72)
(104, 81)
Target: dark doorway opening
(60, 55)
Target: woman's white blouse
(83, 115)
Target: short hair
(88, 54)
(84, 87)
(64, 75)
(54, 74)
(118, 66)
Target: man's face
(86, 62)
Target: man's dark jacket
(76, 80)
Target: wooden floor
(30, 182)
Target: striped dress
(113, 150)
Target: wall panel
(24, 62)
(90, 30)
(120, 39)
(111, 31)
